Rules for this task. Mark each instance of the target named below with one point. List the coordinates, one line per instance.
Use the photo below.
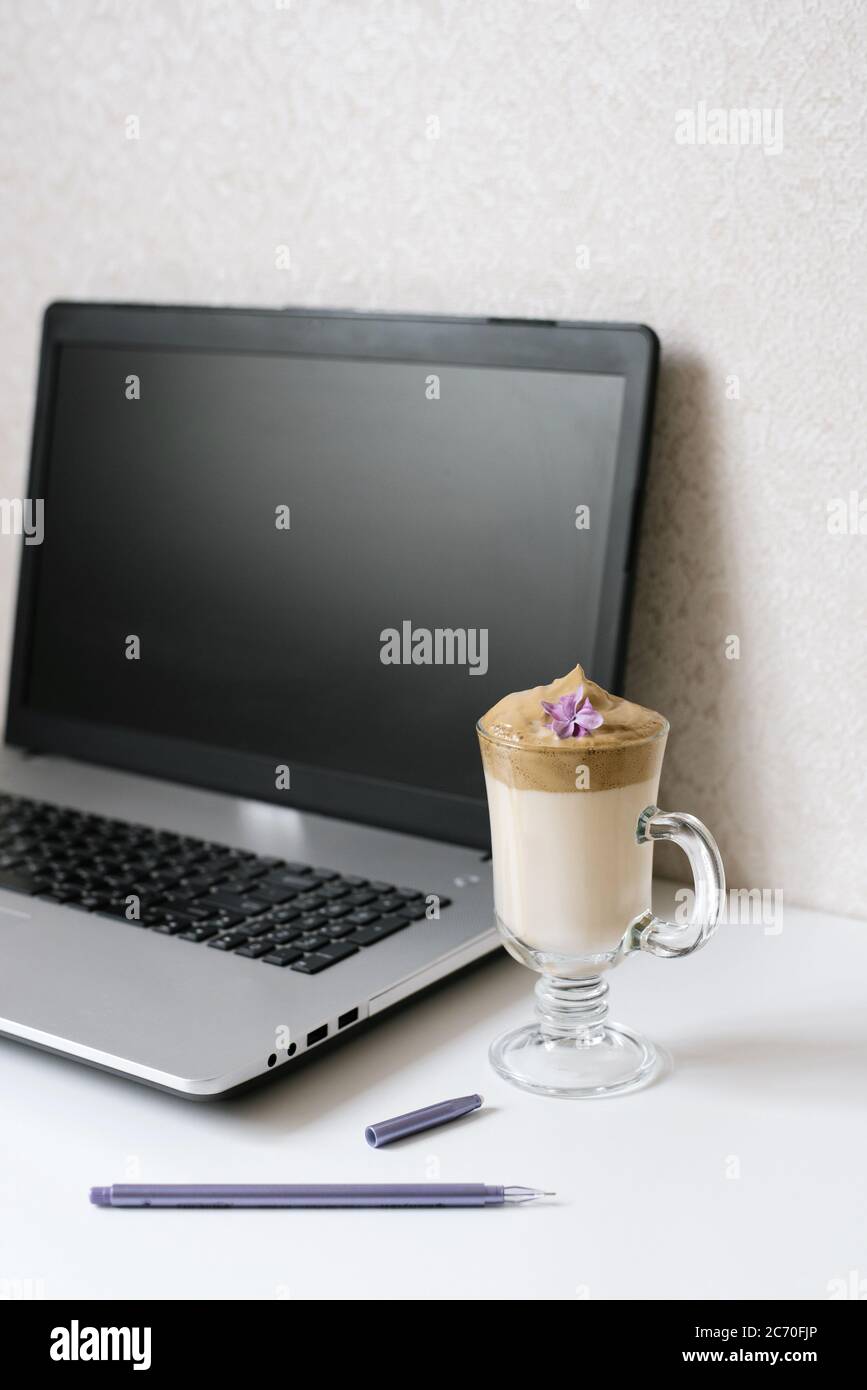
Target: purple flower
(571, 719)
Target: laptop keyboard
(287, 915)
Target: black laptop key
(227, 941)
(312, 920)
(62, 873)
(362, 918)
(284, 955)
(285, 878)
(415, 910)
(332, 891)
(378, 931)
(325, 874)
(364, 936)
(199, 883)
(338, 950)
(338, 929)
(222, 918)
(190, 852)
(17, 881)
(91, 903)
(176, 898)
(282, 936)
(281, 915)
(387, 926)
(59, 873)
(213, 865)
(237, 902)
(408, 893)
(390, 903)
(258, 926)
(113, 864)
(170, 923)
(199, 908)
(354, 881)
(239, 886)
(360, 898)
(117, 881)
(311, 965)
(261, 946)
(274, 895)
(312, 941)
(381, 887)
(203, 931)
(335, 910)
(245, 873)
(162, 878)
(222, 923)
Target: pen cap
(415, 1121)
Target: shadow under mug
(572, 834)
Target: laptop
(285, 560)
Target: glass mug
(572, 833)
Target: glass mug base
(617, 1061)
(572, 1050)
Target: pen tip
(99, 1196)
(525, 1194)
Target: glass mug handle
(654, 934)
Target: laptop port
(351, 1016)
(317, 1035)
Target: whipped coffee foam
(520, 748)
(569, 874)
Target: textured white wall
(307, 124)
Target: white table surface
(742, 1173)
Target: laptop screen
(330, 562)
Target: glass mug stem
(575, 1009)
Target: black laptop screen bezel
(629, 351)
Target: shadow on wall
(688, 602)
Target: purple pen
(432, 1194)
